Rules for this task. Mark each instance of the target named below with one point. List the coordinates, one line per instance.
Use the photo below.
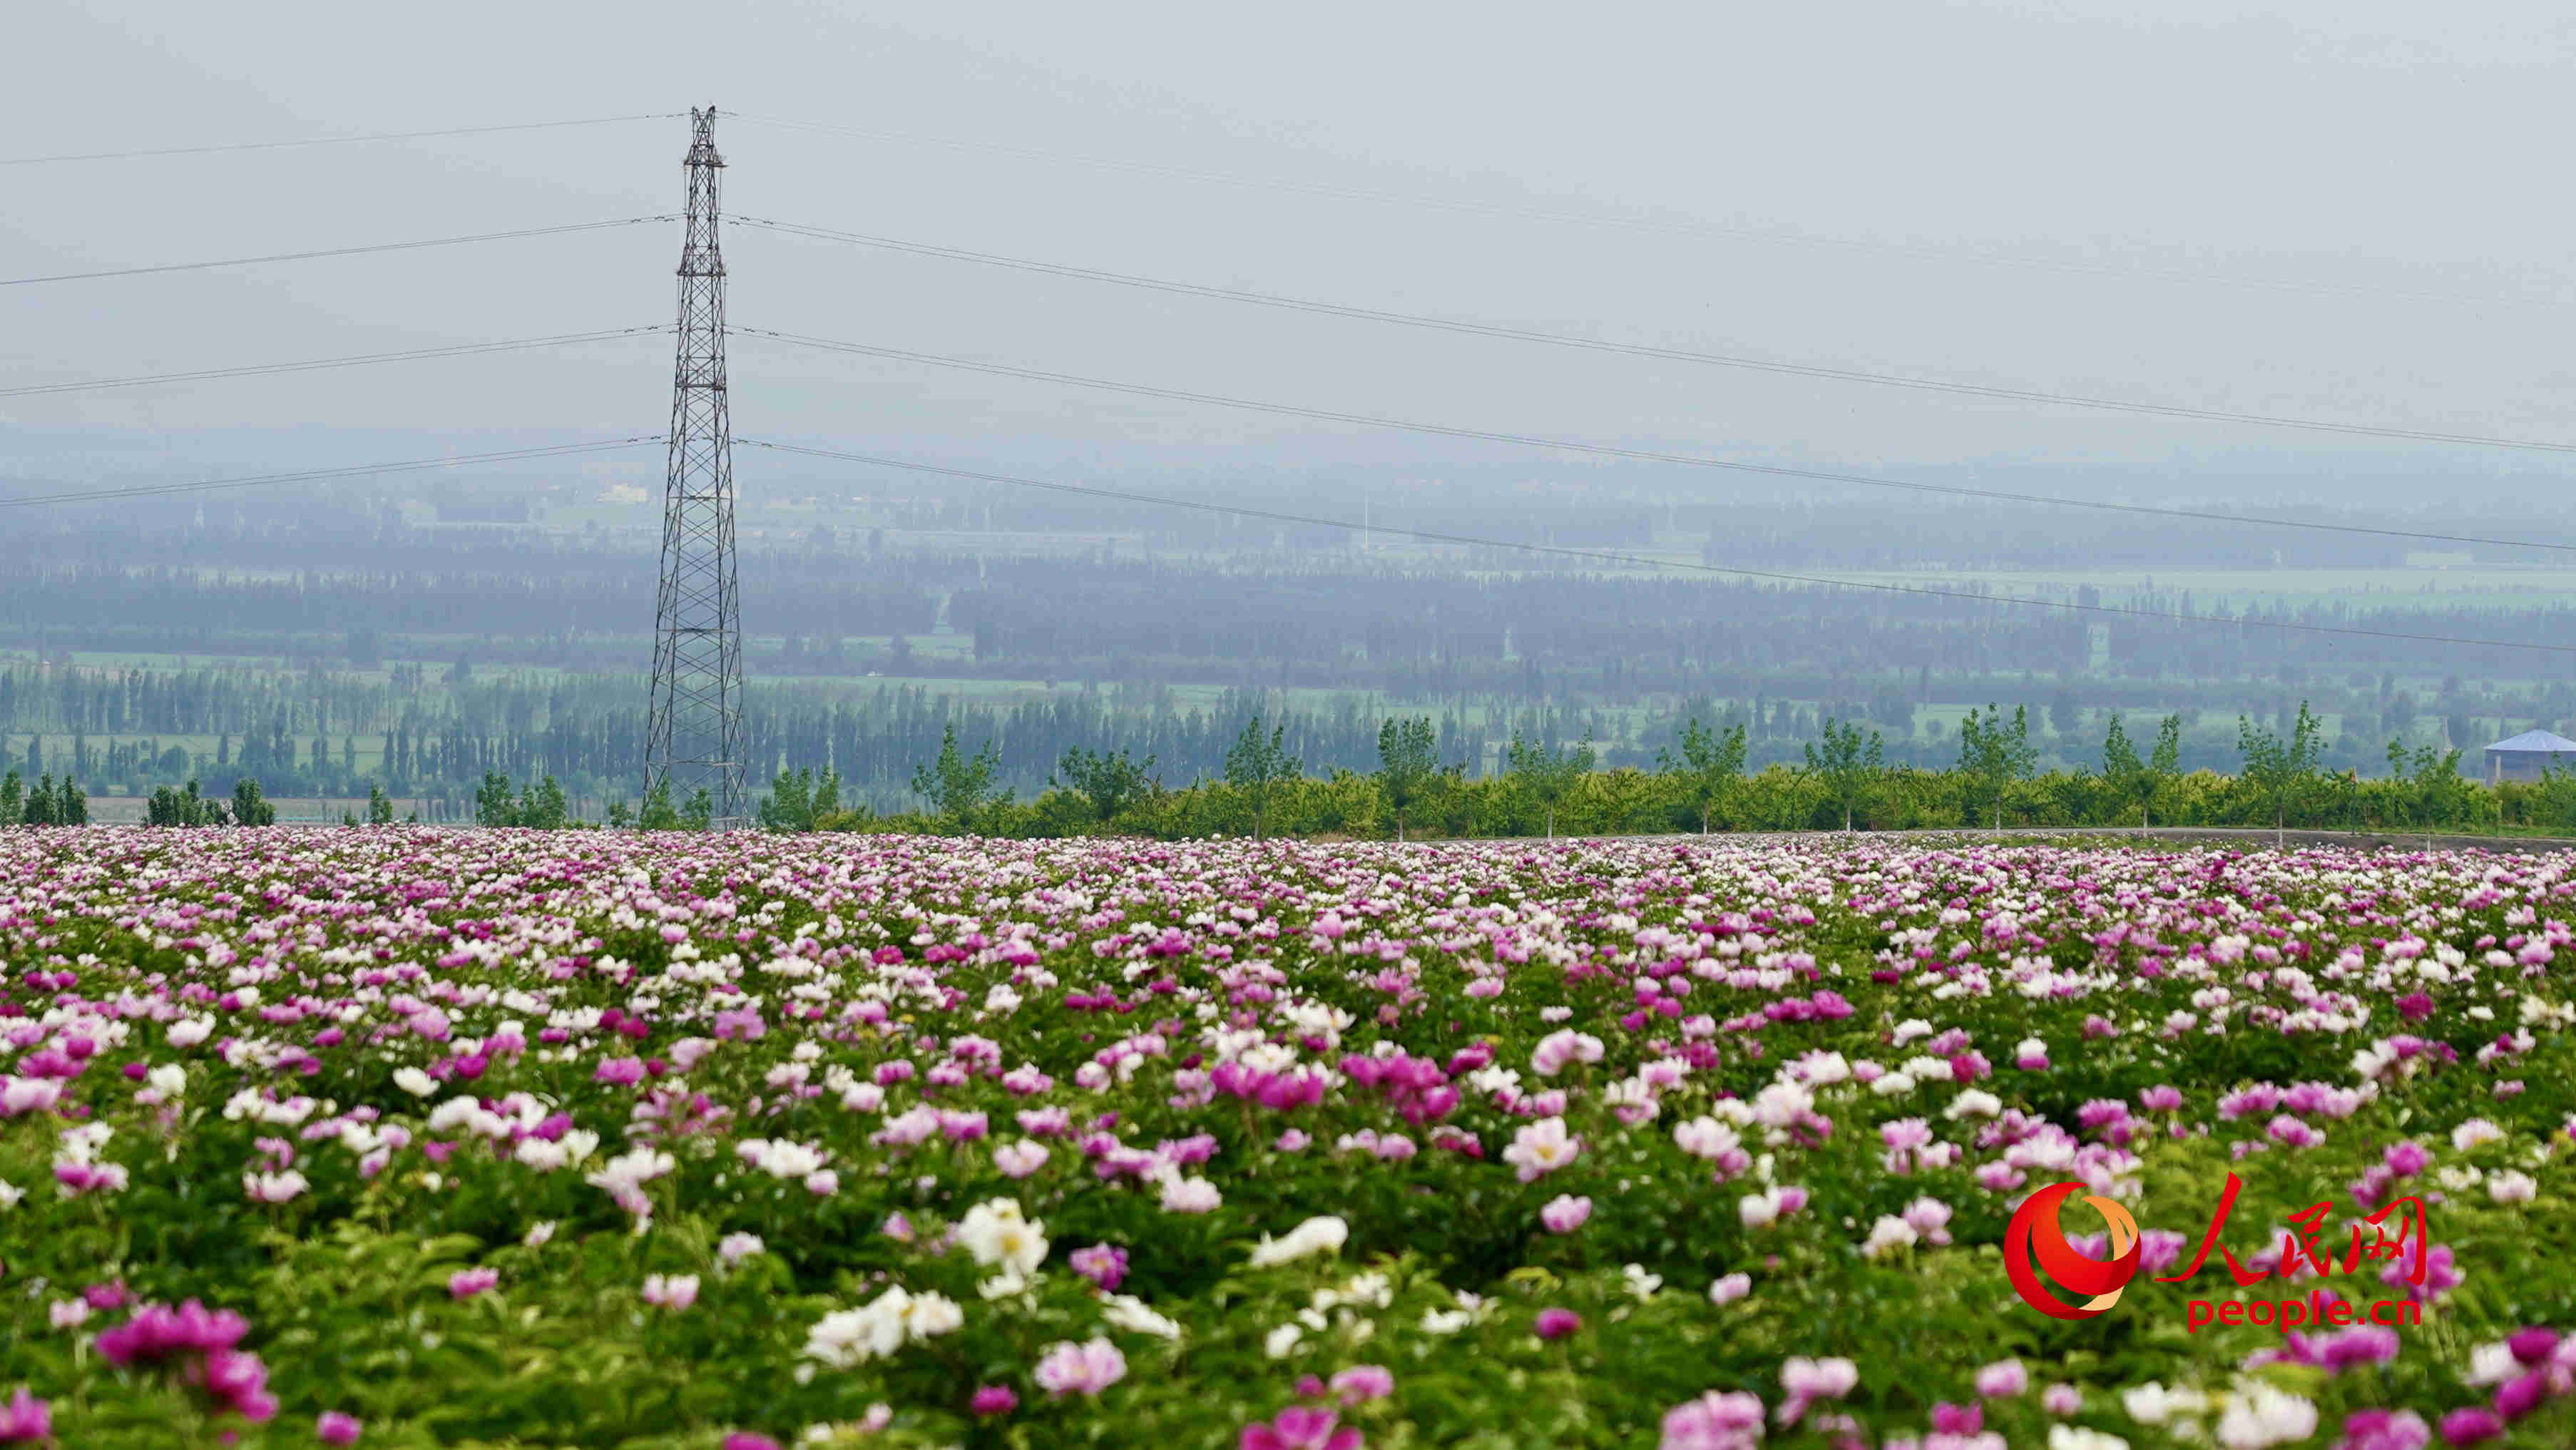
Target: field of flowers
(409, 1137)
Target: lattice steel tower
(694, 738)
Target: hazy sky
(2345, 210)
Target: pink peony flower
(674, 1292)
(1808, 1380)
(1714, 1421)
(1564, 1213)
(1362, 1383)
(2385, 1430)
(1019, 1160)
(1080, 1369)
(2002, 1380)
(620, 1072)
(1541, 1148)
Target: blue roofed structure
(2527, 756)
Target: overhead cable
(469, 349)
(1664, 354)
(336, 251)
(145, 490)
(1634, 222)
(1634, 454)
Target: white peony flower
(1315, 1236)
(996, 1233)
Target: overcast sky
(2351, 210)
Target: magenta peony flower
(993, 1400)
(2470, 1426)
(1300, 1427)
(158, 1332)
(1102, 1264)
(25, 1419)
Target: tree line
(1699, 783)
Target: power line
(335, 251)
(328, 140)
(1634, 454)
(1667, 354)
(1640, 560)
(145, 490)
(1772, 237)
(471, 349)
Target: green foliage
(13, 799)
(2127, 780)
(1701, 785)
(621, 816)
(542, 806)
(2282, 772)
(1545, 773)
(2555, 796)
(1709, 768)
(2427, 785)
(380, 806)
(250, 808)
(2124, 775)
(1108, 780)
(2164, 766)
(539, 806)
(492, 803)
(42, 808)
(958, 787)
(797, 799)
(1994, 755)
(1408, 759)
(1846, 765)
(657, 813)
(698, 812)
(186, 807)
(1258, 765)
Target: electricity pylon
(694, 738)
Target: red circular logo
(2035, 1235)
